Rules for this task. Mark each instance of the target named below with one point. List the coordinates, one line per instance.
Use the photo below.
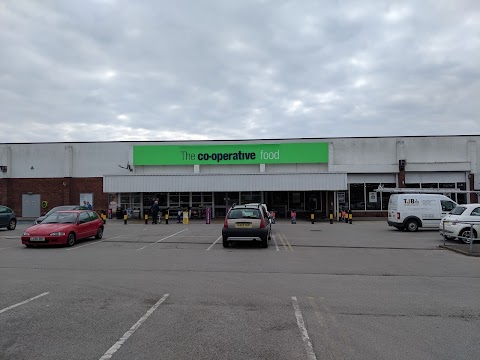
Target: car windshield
(59, 208)
(60, 218)
(458, 210)
(244, 214)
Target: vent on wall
(3, 168)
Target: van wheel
(465, 235)
(411, 225)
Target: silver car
(246, 222)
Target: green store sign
(288, 153)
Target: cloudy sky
(107, 70)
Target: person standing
(179, 216)
(155, 209)
(89, 206)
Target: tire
(411, 225)
(71, 239)
(466, 233)
(99, 234)
(225, 242)
(12, 224)
(265, 242)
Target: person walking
(155, 209)
(179, 216)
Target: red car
(64, 228)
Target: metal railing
(470, 239)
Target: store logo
(240, 155)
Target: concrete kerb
(459, 249)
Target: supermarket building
(320, 173)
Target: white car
(458, 223)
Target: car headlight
(57, 233)
(26, 234)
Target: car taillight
(225, 223)
(398, 216)
(262, 223)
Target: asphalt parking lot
(319, 291)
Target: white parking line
(215, 242)
(24, 302)
(130, 332)
(303, 329)
(275, 241)
(95, 242)
(162, 239)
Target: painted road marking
(215, 242)
(95, 242)
(275, 241)
(303, 330)
(24, 302)
(156, 242)
(134, 328)
(285, 242)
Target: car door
(93, 228)
(3, 216)
(84, 225)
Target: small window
(84, 217)
(458, 210)
(476, 212)
(3, 209)
(447, 205)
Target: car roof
(72, 211)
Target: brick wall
(57, 191)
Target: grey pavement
(364, 291)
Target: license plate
(37, 239)
(243, 225)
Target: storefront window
(413, 186)
(386, 196)
(429, 185)
(251, 197)
(462, 197)
(296, 200)
(357, 196)
(373, 197)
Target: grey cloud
(251, 69)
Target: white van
(413, 211)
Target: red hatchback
(64, 228)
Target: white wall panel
(225, 182)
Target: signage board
(285, 153)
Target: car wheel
(465, 235)
(99, 233)
(12, 224)
(225, 242)
(265, 242)
(411, 225)
(71, 239)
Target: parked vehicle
(266, 213)
(64, 228)
(246, 223)
(8, 219)
(414, 211)
(460, 223)
(59, 208)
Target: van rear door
(392, 208)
